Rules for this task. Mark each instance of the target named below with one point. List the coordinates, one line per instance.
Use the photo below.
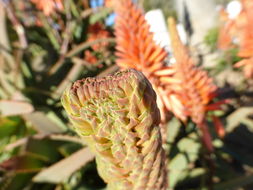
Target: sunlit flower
(239, 31)
(108, 3)
(137, 49)
(196, 89)
(48, 6)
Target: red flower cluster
(95, 32)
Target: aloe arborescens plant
(136, 49)
(197, 90)
(118, 117)
(238, 32)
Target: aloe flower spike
(118, 117)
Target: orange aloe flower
(245, 35)
(90, 58)
(225, 37)
(196, 88)
(136, 49)
(95, 32)
(240, 28)
(48, 6)
(108, 3)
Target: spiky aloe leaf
(118, 117)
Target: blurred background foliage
(42, 51)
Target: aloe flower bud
(118, 117)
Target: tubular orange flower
(240, 28)
(197, 89)
(108, 3)
(226, 31)
(247, 65)
(90, 58)
(136, 49)
(245, 35)
(48, 6)
(95, 32)
(118, 117)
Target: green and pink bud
(118, 117)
